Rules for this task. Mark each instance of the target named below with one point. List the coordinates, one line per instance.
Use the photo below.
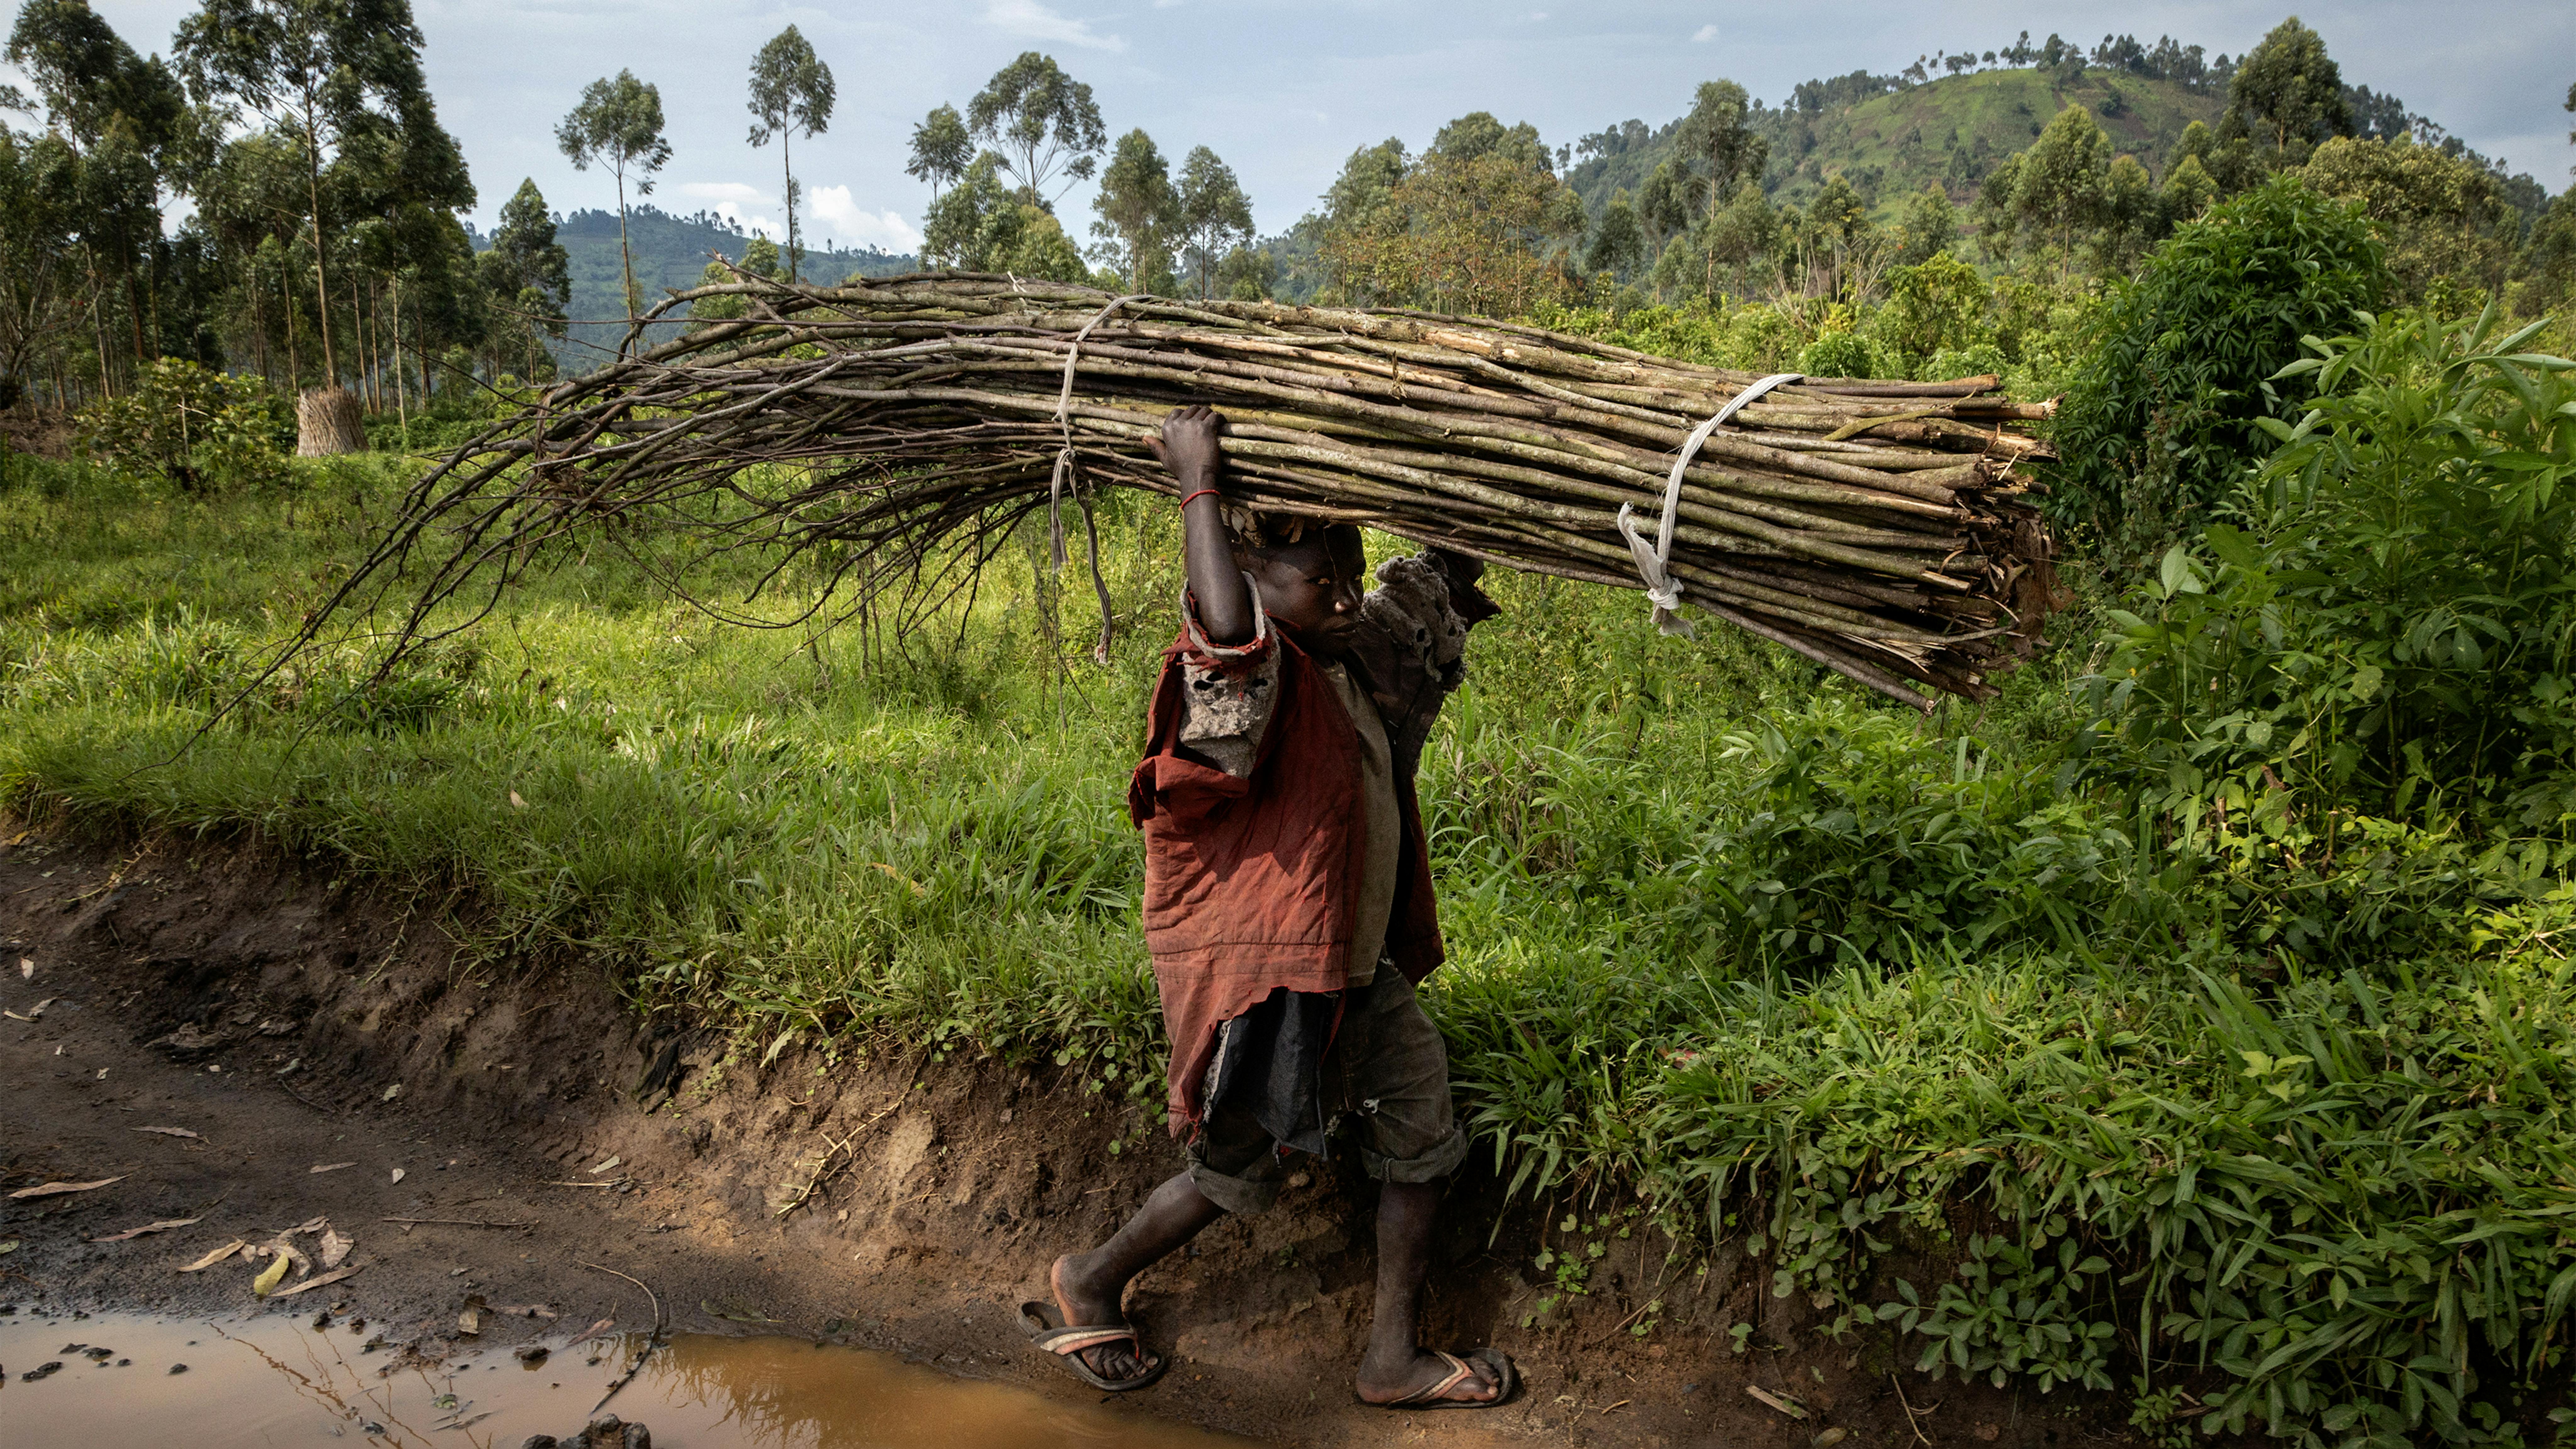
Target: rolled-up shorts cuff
(1430, 1166)
(1250, 1188)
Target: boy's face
(1311, 588)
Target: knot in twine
(1654, 560)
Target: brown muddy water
(280, 1381)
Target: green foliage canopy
(1042, 124)
(2159, 420)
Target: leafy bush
(2393, 630)
(1840, 354)
(1936, 307)
(2159, 421)
(200, 428)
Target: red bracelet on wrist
(1202, 493)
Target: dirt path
(333, 1059)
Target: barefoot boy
(1288, 908)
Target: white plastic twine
(1662, 589)
(1064, 420)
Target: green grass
(1994, 1065)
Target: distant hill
(671, 252)
(1892, 143)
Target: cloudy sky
(1284, 92)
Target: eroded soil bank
(506, 1136)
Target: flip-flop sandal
(1066, 1343)
(1506, 1379)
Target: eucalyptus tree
(791, 91)
(2061, 185)
(618, 125)
(2289, 86)
(1041, 123)
(941, 150)
(330, 75)
(38, 176)
(1215, 215)
(1719, 138)
(528, 273)
(1618, 247)
(131, 130)
(1140, 212)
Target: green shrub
(2159, 422)
(2392, 630)
(1934, 308)
(200, 428)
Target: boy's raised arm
(1188, 447)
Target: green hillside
(1893, 144)
(670, 252)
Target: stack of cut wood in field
(1879, 528)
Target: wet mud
(312, 1378)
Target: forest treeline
(322, 246)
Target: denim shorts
(1387, 1080)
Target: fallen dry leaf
(270, 1276)
(529, 1310)
(163, 1226)
(332, 1166)
(53, 1189)
(217, 1256)
(168, 1131)
(603, 1167)
(391, 1092)
(314, 1283)
(471, 1320)
(288, 1251)
(398, 1174)
(26, 969)
(335, 1249)
(309, 1225)
(34, 1011)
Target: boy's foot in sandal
(1437, 1380)
(1106, 1354)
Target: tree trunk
(321, 270)
(625, 258)
(327, 423)
(402, 400)
(787, 173)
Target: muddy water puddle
(278, 1381)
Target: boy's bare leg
(1396, 1364)
(1090, 1288)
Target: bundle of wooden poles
(1878, 528)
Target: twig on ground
(650, 1343)
(1908, 1408)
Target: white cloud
(767, 226)
(1704, 35)
(848, 224)
(738, 193)
(1038, 22)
